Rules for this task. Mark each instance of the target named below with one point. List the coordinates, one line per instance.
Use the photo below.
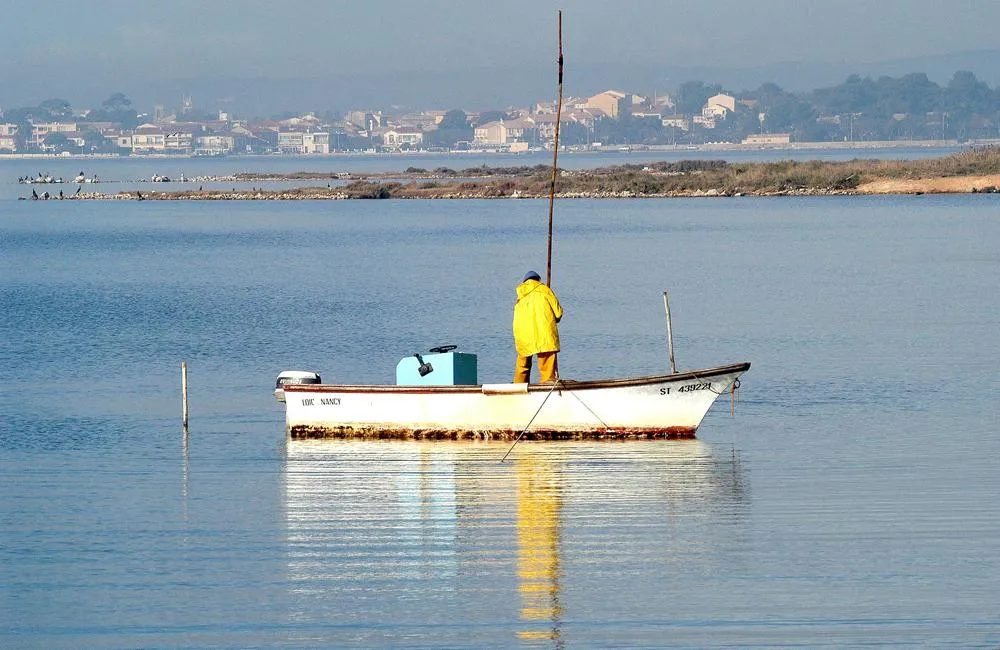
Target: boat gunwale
(562, 384)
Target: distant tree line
(911, 107)
(117, 109)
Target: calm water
(852, 500)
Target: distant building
(545, 108)
(178, 142)
(490, 133)
(502, 132)
(663, 103)
(402, 137)
(215, 144)
(365, 120)
(704, 122)
(423, 121)
(545, 123)
(295, 141)
(613, 103)
(714, 112)
(309, 120)
(148, 138)
(768, 139)
(73, 139)
(122, 139)
(41, 129)
(257, 140)
(676, 122)
(357, 118)
(8, 137)
(726, 101)
(718, 107)
(437, 115)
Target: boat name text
(688, 388)
(325, 401)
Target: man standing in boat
(536, 312)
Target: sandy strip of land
(950, 184)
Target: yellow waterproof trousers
(548, 368)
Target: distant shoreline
(874, 145)
(973, 171)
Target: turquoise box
(448, 369)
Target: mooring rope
(557, 382)
(579, 399)
(733, 392)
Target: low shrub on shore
(367, 190)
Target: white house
(148, 138)
(402, 136)
(214, 144)
(178, 142)
(295, 141)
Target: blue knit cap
(531, 275)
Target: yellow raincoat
(536, 312)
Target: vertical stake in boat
(555, 157)
(670, 335)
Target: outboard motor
(294, 377)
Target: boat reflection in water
(442, 542)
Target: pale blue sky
(112, 44)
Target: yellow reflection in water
(539, 505)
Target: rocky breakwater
(293, 194)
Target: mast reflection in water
(442, 543)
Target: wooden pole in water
(670, 335)
(184, 393)
(555, 157)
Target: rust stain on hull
(303, 432)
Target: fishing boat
(661, 406)
(438, 395)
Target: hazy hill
(480, 89)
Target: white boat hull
(669, 406)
